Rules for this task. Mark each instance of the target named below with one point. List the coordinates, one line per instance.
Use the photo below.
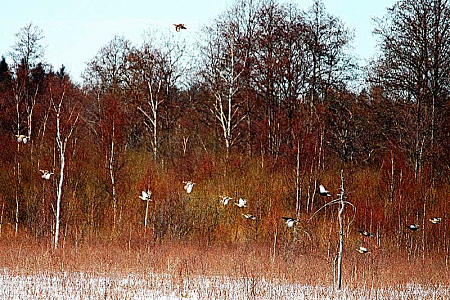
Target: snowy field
(152, 286)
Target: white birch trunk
(61, 149)
(61, 143)
(146, 214)
(224, 108)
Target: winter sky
(75, 30)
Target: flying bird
(225, 200)
(241, 203)
(290, 222)
(413, 227)
(146, 195)
(323, 191)
(180, 26)
(21, 138)
(46, 174)
(365, 233)
(435, 220)
(362, 250)
(188, 186)
(249, 217)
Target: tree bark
(113, 179)
(62, 150)
(341, 233)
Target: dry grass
(238, 271)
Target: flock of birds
(21, 138)
(241, 203)
(290, 222)
(412, 227)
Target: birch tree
(153, 73)
(67, 113)
(224, 64)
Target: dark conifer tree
(5, 75)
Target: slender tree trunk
(30, 109)
(297, 181)
(146, 214)
(16, 227)
(275, 244)
(43, 218)
(154, 103)
(113, 179)
(392, 184)
(58, 200)
(61, 149)
(341, 233)
(249, 129)
(1, 217)
(417, 156)
(61, 144)
(423, 227)
(155, 131)
(310, 193)
(297, 188)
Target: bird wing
(322, 189)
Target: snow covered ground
(78, 285)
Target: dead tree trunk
(341, 200)
(341, 233)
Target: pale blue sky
(75, 30)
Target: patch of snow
(81, 285)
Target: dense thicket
(266, 113)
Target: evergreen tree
(5, 75)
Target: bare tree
(341, 231)
(342, 202)
(413, 70)
(66, 119)
(327, 40)
(106, 76)
(414, 59)
(224, 64)
(26, 53)
(27, 49)
(111, 130)
(153, 73)
(268, 74)
(106, 72)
